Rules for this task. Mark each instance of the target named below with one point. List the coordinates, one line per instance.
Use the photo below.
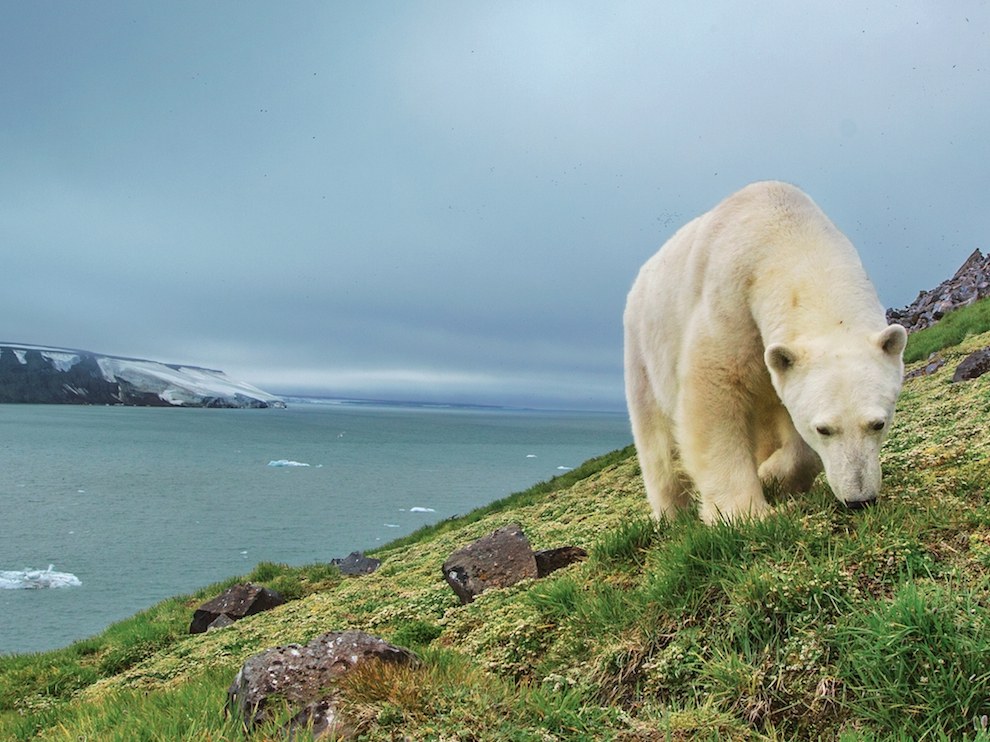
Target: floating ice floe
(34, 579)
(286, 462)
(421, 510)
(531, 456)
(391, 525)
(564, 468)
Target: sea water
(107, 510)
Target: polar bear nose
(860, 504)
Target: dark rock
(356, 563)
(306, 678)
(969, 284)
(220, 622)
(500, 559)
(935, 362)
(550, 560)
(236, 603)
(973, 366)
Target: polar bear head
(840, 396)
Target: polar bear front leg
(717, 451)
(793, 466)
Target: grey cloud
(450, 199)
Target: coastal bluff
(34, 374)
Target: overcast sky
(450, 200)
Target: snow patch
(62, 361)
(180, 385)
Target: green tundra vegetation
(951, 330)
(817, 622)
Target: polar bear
(756, 351)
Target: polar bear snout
(860, 504)
(854, 479)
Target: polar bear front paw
(755, 508)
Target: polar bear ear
(892, 340)
(779, 358)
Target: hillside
(817, 623)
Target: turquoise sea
(139, 504)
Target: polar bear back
(762, 267)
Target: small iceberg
(286, 462)
(35, 579)
(564, 468)
(421, 510)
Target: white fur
(756, 350)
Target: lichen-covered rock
(500, 559)
(305, 679)
(239, 601)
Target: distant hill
(37, 374)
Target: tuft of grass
(920, 662)
(627, 544)
(190, 711)
(951, 330)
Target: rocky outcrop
(234, 604)
(969, 284)
(43, 375)
(306, 680)
(501, 559)
(31, 376)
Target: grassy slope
(950, 330)
(815, 623)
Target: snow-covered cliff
(46, 375)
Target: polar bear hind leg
(653, 432)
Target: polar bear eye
(823, 430)
(877, 425)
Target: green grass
(814, 623)
(951, 330)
